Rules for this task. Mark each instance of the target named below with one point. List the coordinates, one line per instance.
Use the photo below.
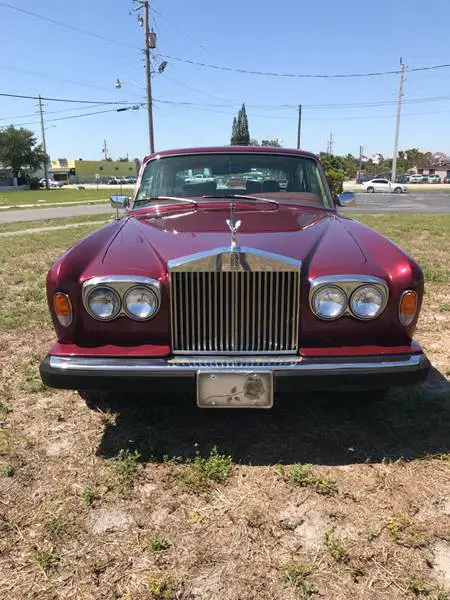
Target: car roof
(232, 149)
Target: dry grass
(134, 502)
(54, 196)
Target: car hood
(320, 239)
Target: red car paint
(144, 241)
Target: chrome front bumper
(366, 372)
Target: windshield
(277, 176)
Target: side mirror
(119, 201)
(344, 198)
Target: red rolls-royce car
(234, 292)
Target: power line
(67, 26)
(63, 99)
(50, 112)
(300, 75)
(95, 103)
(224, 68)
(351, 118)
(98, 112)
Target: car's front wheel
(370, 190)
(398, 190)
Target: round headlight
(141, 302)
(103, 303)
(329, 302)
(367, 302)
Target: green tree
(275, 143)
(334, 170)
(19, 150)
(234, 131)
(244, 131)
(240, 134)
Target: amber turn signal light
(408, 307)
(63, 308)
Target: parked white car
(383, 185)
(416, 178)
(51, 183)
(434, 179)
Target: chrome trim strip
(348, 284)
(113, 279)
(120, 284)
(192, 364)
(195, 352)
(360, 279)
(216, 258)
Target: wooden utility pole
(148, 76)
(44, 145)
(299, 127)
(397, 128)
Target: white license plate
(237, 389)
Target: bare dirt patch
(104, 520)
(441, 562)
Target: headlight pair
(364, 301)
(106, 300)
(139, 303)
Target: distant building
(442, 170)
(77, 171)
(377, 158)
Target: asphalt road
(41, 214)
(399, 203)
(364, 203)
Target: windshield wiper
(156, 199)
(242, 197)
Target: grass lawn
(26, 225)
(152, 499)
(19, 198)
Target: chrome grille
(234, 311)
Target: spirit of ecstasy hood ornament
(234, 227)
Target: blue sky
(39, 57)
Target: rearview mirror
(344, 198)
(119, 201)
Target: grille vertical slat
(288, 309)
(282, 323)
(249, 311)
(175, 328)
(264, 323)
(295, 315)
(276, 340)
(187, 308)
